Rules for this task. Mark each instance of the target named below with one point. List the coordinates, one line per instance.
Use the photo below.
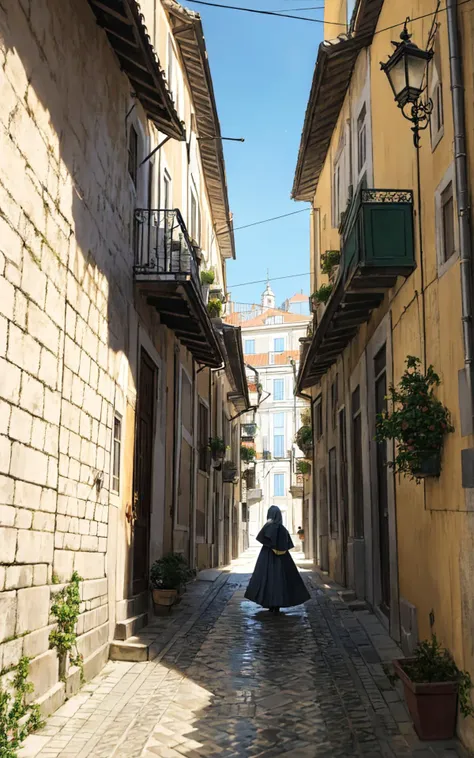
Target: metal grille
(162, 244)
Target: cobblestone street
(237, 681)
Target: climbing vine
(17, 718)
(65, 609)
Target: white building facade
(271, 347)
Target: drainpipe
(462, 194)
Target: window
(203, 438)
(318, 415)
(274, 320)
(195, 225)
(278, 389)
(170, 72)
(436, 94)
(133, 154)
(334, 401)
(333, 502)
(249, 347)
(447, 221)
(279, 485)
(279, 345)
(117, 453)
(361, 139)
(278, 435)
(337, 195)
(357, 470)
(167, 195)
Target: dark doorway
(357, 470)
(143, 472)
(380, 372)
(344, 493)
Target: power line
(419, 18)
(316, 20)
(265, 13)
(265, 220)
(273, 279)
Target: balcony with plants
(377, 247)
(169, 276)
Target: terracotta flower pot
(164, 598)
(432, 705)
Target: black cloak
(276, 581)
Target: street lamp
(405, 70)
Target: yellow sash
(279, 552)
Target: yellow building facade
(403, 546)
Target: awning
(124, 25)
(332, 75)
(235, 367)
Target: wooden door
(143, 472)
(380, 370)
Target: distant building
(299, 304)
(271, 346)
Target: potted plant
(229, 472)
(417, 422)
(247, 454)
(207, 278)
(168, 575)
(330, 263)
(214, 307)
(321, 295)
(303, 467)
(217, 448)
(304, 440)
(432, 684)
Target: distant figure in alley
(276, 582)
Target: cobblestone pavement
(241, 682)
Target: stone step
(129, 627)
(133, 606)
(134, 649)
(347, 595)
(358, 605)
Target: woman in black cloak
(276, 582)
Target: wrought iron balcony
(166, 273)
(377, 247)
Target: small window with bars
(117, 453)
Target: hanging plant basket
(417, 422)
(430, 465)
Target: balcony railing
(163, 245)
(248, 431)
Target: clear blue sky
(262, 69)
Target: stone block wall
(65, 290)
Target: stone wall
(65, 291)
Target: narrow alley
(234, 680)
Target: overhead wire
(280, 14)
(273, 279)
(266, 220)
(265, 13)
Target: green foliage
(17, 719)
(433, 663)
(55, 579)
(304, 439)
(303, 467)
(217, 446)
(306, 417)
(65, 609)
(214, 307)
(208, 277)
(170, 572)
(418, 420)
(329, 259)
(247, 454)
(322, 294)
